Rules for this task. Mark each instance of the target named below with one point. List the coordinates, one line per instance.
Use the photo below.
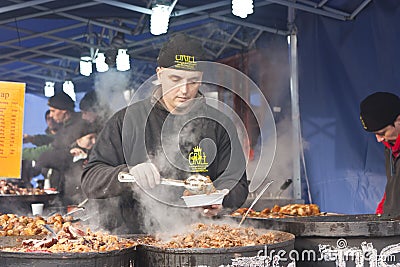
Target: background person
(28, 170)
(48, 137)
(62, 111)
(93, 109)
(380, 114)
(69, 163)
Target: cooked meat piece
(8, 188)
(280, 212)
(215, 236)
(88, 242)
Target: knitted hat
(84, 128)
(379, 110)
(181, 52)
(89, 102)
(61, 101)
(89, 129)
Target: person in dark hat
(94, 109)
(380, 114)
(48, 137)
(61, 106)
(62, 110)
(162, 136)
(39, 140)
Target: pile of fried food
(216, 236)
(68, 238)
(199, 184)
(281, 212)
(7, 188)
(15, 225)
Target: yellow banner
(12, 98)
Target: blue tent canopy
(345, 51)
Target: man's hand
(211, 211)
(208, 211)
(27, 138)
(146, 174)
(76, 151)
(78, 154)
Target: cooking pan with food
(71, 247)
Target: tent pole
(294, 93)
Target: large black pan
(149, 256)
(332, 225)
(120, 258)
(340, 232)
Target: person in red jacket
(380, 114)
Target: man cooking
(172, 134)
(380, 114)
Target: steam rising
(274, 81)
(160, 214)
(160, 205)
(110, 87)
(170, 220)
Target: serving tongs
(196, 184)
(50, 229)
(255, 201)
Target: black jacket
(144, 131)
(66, 178)
(392, 201)
(70, 131)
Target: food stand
(311, 232)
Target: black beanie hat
(181, 52)
(89, 102)
(379, 110)
(83, 128)
(89, 128)
(61, 101)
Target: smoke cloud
(274, 81)
(110, 87)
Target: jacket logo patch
(198, 160)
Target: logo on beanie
(185, 62)
(363, 123)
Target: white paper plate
(204, 199)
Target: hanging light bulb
(49, 89)
(123, 63)
(242, 8)
(69, 89)
(101, 65)
(85, 65)
(159, 19)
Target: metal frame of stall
(33, 69)
(298, 155)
